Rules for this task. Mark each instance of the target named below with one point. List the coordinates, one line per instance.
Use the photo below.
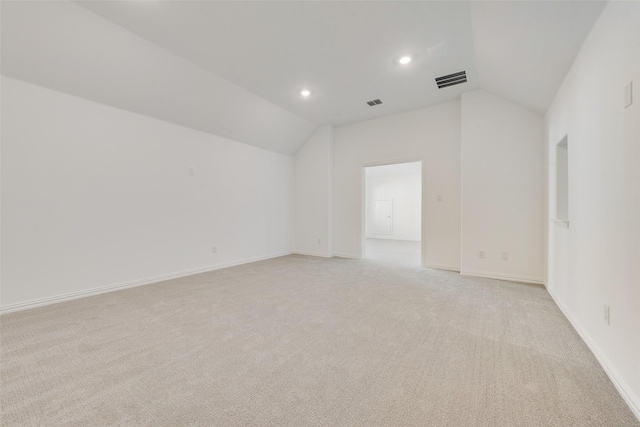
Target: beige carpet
(301, 341)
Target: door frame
(423, 202)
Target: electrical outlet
(214, 249)
(319, 241)
(606, 314)
(505, 256)
(439, 198)
(481, 254)
(628, 95)
(192, 171)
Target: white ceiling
(62, 46)
(524, 49)
(236, 68)
(344, 52)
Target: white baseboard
(455, 268)
(339, 255)
(500, 276)
(625, 391)
(131, 284)
(318, 254)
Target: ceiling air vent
(374, 103)
(451, 79)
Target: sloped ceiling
(65, 47)
(524, 49)
(235, 69)
(344, 52)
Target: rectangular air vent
(374, 103)
(451, 79)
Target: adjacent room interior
(222, 213)
(393, 213)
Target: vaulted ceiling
(236, 69)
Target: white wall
(431, 134)
(314, 194)
(93, 196)
(405, 192)
(596, 261)
(502, 188)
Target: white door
(382, 220)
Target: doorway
(393, 213)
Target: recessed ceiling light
(305, 92)
(405, 60)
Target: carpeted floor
(302, 341)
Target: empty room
(320, 213)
